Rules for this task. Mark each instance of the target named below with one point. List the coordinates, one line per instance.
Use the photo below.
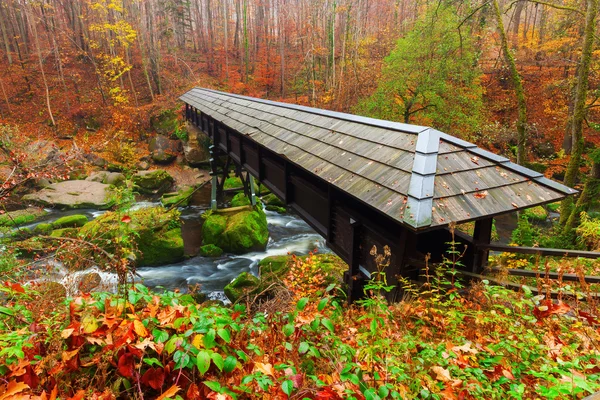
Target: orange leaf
(139, 328)
(169, 392)
(480, 195)
(13, 388)
(266, 369)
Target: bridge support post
(251, 187)
(353, 277)
(482, 234)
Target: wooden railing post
(482, 235)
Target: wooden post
(482, 234)
(353, 277)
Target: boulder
(95, 160)
(89, 281)
(165, 122)
(195, 150)
(244, 284)
(537, 213)
(153, 182)
(274, 265)
(164, 150)
(180, 198)
(73, 195)
(238, 230)
(239, 200)
(155, 231)
(109, 178)
(210, 250)
(42, 229)
(20, 217)
(70, 221)
(272, 200)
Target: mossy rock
(553, 207)
(165, 122)
(537, 213)
(31, 247)
(232, 182)
(272, 200)
(155, 231)
(244, 284)
(65, 232)
(274, 265)
(153, 182)
(536, 166)
(280, 210)
(20, 217)
(180, 198)
(42, 229)
(236, 232)
(210, 250)
(161, 249)
(70, 221)
(239, 200)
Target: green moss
(553, 207)
(536, 166)
(161, 249)
(280, 210)
(155, 233)
(65, 232)
(210, 250)
(537, 213)
(42, 229)
(213, 228)
(242, 285)
(233, 182)
(272, 200)
(70, 221)
(238, 233)
(180, 198)
(274, 265)
(239, 200)
(20, 217)
(149, 182)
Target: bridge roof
(416, 175)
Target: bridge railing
(527, 273)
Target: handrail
(542, 251)
(528, 273)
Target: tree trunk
(40, 60)
(579, 109)
(5, 37)
(518, 86)
(590, 191)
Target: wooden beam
(543, 274)
(482, 235)
(546, 252)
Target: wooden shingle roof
(414, 174)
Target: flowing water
(288, 234)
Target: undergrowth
(446, 343)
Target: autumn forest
(105, 202)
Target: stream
(287, 234)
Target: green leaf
(7, 311)
(160, 336)
(217, 360)
(327, 324)
(323, 303)
(209, 339)
(152, 361)
(330, 287)
(287, 387)
(288, 329)
(224, 334)
(303, 348)
(181, 359)
(302, 304)
(383, 391)
(229, 364)
(203, 361)
(214, 386)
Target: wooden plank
(546, 252)
(519, 287)
(543, 274)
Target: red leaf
(154, 377)
(326, 394)
(547, 308)
(126, 365)
(193, 392)
(126, 219)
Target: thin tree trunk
(579, 108)
(5, 37)
(5, 96)
(519, 91)
(39, 54)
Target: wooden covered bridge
(361, 182)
